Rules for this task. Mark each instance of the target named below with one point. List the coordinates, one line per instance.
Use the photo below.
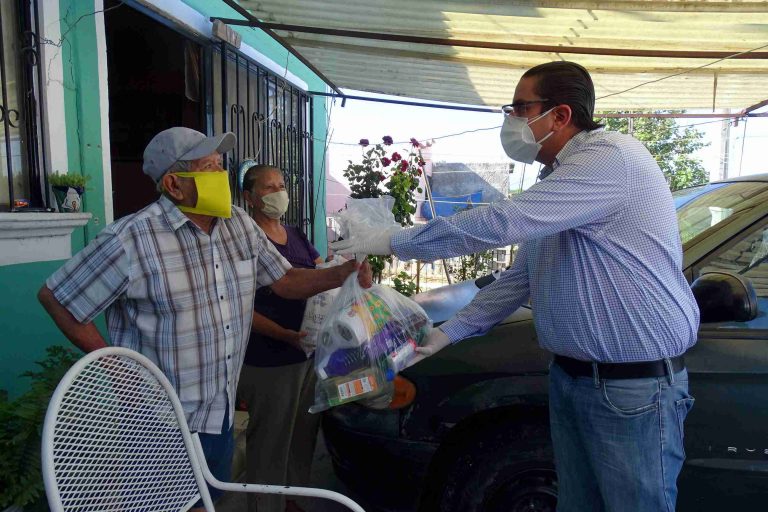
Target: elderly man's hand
(364, 276)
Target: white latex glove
(375, 243)
(435, 342)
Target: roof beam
(662, 115)
(597, 115)
(756, 106)
(408, 103)
(251, 21)
(620, 52)
(504, 7)
(492, 62)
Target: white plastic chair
(116, 439)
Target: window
(22, 164)
(748, 257)
(701, 208)
(272, 122)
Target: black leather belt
(576, 368)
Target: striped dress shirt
(178, 295)
(600, 256)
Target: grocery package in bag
(367, 338)
(317, 309)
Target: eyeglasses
(520, 109)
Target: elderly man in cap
(177, 281)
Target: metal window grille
(273, 124)
(22, 150)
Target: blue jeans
(618, 443)
(218, 450)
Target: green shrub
(21, 426)
(404, 284)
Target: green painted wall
(82, 111)
(25, 328)
(320, 134)
(272, 49)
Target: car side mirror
(725, 297)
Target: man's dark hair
(250, 175)
(566, 83)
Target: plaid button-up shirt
(600, 256)
(178, 295)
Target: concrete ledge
(31, 237)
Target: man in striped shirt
(177, 281)
(600, 259)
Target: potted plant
(68, 190)
(21, 425)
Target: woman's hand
(294, 337)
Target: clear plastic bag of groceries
(317, 309)
(368, 215)
(367, 338)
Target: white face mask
(275, 204)
(518, 140)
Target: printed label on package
(356, 387)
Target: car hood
(443, 303)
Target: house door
(155, 82)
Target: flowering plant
(382, 172)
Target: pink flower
(396, 157)
(414, 142)
(385, 161)
(363, 142)
(387, 140)
(404, 165)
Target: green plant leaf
(68, 180)
(21, 423)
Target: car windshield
(701, 208)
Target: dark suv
(475, 436)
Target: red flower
(422, 163)
(381, 177)
(386, 161)
(414, 142)
(404, 165)
(387, 140)
(363, 142)
(396, 157)
(420, 172)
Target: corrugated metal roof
(483, 76)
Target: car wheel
(506, 468)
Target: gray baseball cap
(179, 144)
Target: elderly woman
(277, 382)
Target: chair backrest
(115, 438)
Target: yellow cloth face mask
(214, 197)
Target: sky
(364, 119)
